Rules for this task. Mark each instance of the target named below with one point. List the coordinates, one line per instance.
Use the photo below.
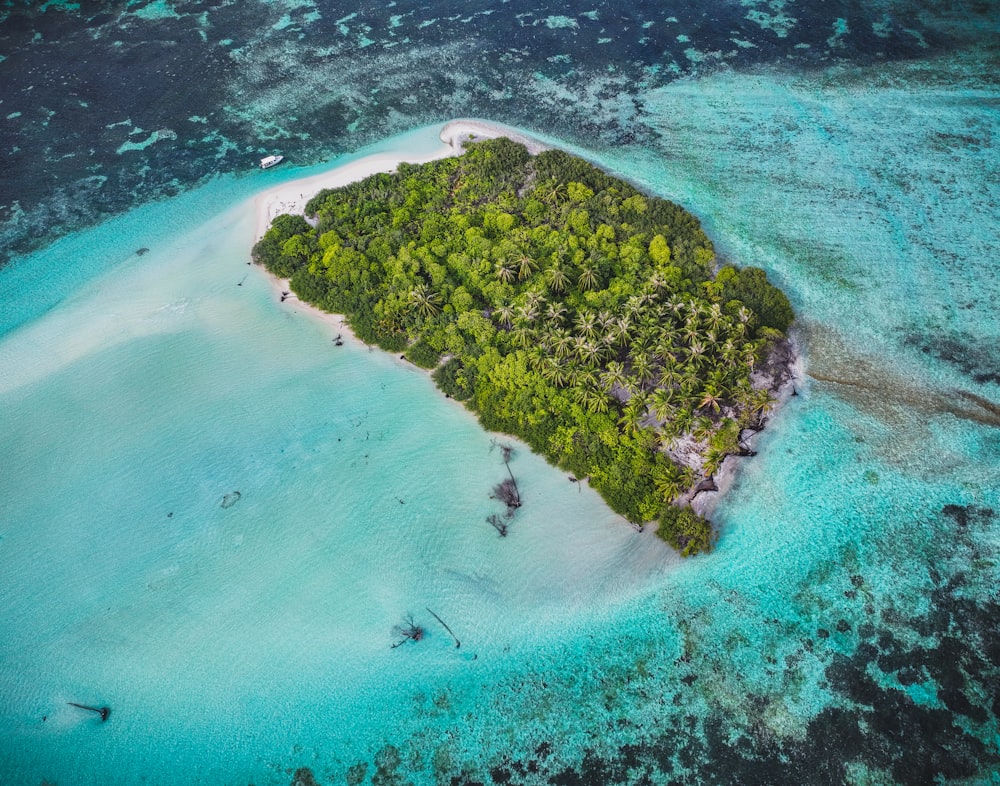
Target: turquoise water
(134, 407)
(845, 629)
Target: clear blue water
(846, 627)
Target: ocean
(213, 519)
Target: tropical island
(562, 306)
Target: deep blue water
(847, 627)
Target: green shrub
(750, 286)
(423, 354)
(456, 379)
(685, 530)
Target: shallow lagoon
(845, 628)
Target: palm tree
(729, 353)
(690, 331)
(676, 307)
(744, 318)
(714, 316)
(555, 312)
(682, 420)
(575, 372)
(504, 314)
(633, 414)
(694, 308)
(523, 336)
(427, 301)
(527, 312)
(587, 280)
(525, 267)
(657, 283)
(755, 405)
(605, 319)
(562, 342)
(696, 354)
(594, 399)
(586, 323)
(710, 397)
(587, 350)
(536, 357)
(668, 480)
(688, 386)
(505, 272)
(558, 278)
(623, 329)
(534, 299)
(552, 193)
(555, 371)
(662, 403)
(667, 355)
(613, 375)
(702, 428)
(642, 367)
(633, 306)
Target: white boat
(269, 161)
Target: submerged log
(445, 624)
(104, 712)
(499, 524)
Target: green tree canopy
(557, 302)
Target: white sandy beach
(292, 197)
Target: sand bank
(458, 131)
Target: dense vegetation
(558, 302)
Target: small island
(562, 306)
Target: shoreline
(787, 383)
(292, 197)
(777, 376)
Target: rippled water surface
(844, 630)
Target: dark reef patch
(84, 81)
(914, 695)
(977, 359)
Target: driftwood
(104, 712)
(408, 630)
(507, 491)
(498, 523)
(445, 624)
